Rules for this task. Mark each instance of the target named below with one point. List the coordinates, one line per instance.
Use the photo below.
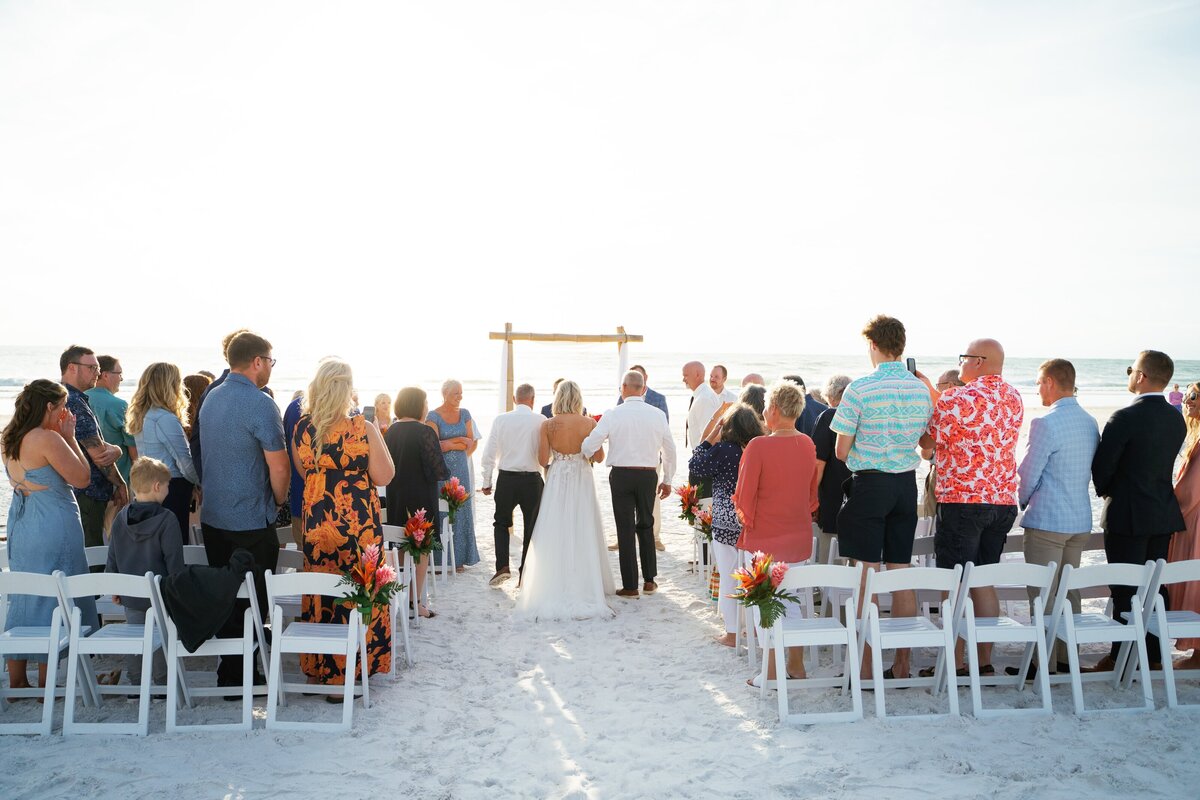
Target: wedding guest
(194, 435)
(110, 412)
(776, 495)
(343, 458)
(1054, 476)
(1185, 544)
(1175, 398)
(383, 411)
(812, 408)
(512, 447)
(716, 379)
(717, 458)
(548, 409)
(639, 440)
(420, 467)
(946, 381)
(146, 537)
(753, 379)
(701, 406)
(205, 373)
(43, 460)
(195, 386)
(456, 430)
(291, 417)
(245, 475)
(652, 398)
(80, 369)
(1132, 471)
(831, 470)
(878, 424)
(155, 418)
(755, 396)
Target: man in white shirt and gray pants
(638, 436)
(513, 446)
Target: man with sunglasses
(1132, 471)
(974, 432)
(80, 370)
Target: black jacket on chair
(1133, 468)
(200, 599)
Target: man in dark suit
(813, 407)
(1132, 471)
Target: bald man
(753, 379)
(974, 432)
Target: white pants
(728, 559)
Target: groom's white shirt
(515, 436)
(704, 404)
(636, 434)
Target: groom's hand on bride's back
(664, 491)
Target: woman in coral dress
(342, 459)
(1185, 544)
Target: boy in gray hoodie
(145, 538)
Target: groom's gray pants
(633, 492)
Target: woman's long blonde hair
(161, 386)
(1193, 424)
(328, 399)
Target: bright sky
(719, 176)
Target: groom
(513, 446)
(637, 434)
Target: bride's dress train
(566, 573)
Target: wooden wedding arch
(508, 336)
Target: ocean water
(1101, 382)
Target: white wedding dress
(566, 573)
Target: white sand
(639, 706)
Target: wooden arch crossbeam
(508, 336)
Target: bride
(566, 574)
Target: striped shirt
(886, 412)
(1057, 467)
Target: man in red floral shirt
(974, 429)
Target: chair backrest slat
(195, 555)
(392, 533)
(1179, 572)
(1015, 573)
(1107, 575)
(833, 576)
(321, 583)
(106, 583)
(33, 584)
(912, 578)
(290, 559)
(97, 555)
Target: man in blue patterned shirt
(1054, 474)
(878, 425)
(80, 370)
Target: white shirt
(704, 404)
(728, 396)
(636, 434)
(514, 439)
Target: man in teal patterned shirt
(878, 424)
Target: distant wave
(12, 381)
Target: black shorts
(879, 518)
(974, 532)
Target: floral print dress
(341, 518)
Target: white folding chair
(449, 562)
(392, 534)
(115, 638)
(813, 631)
(177, 674)
(1076, 629)
(896, 632)
(194, 555)
(973, 630)
(703, 567)
(1169, 625)
(97, 556)
(748, 617)
(344, 639)
(52, 640)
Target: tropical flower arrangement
(455, 495)
(705, 520)
(372, 582)
(758, 587)
(687, 502)
(418, 536)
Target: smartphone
(911, 365)
(369, 413)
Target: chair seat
(115, 638)
(1002, 629)
(908, 627)
(1181, 624)
(1091, 627)
(31, 634)
(814, 630)
(313, 637)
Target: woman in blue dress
(43, 461)
(456, 430)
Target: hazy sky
(728, 176)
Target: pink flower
(385, 575)
(418, 536)
(371, 554)
(778, 570)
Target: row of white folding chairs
(958, 621)
(449, 559)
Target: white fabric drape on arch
(503, 383)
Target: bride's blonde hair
(328, 399)
(568, 399)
